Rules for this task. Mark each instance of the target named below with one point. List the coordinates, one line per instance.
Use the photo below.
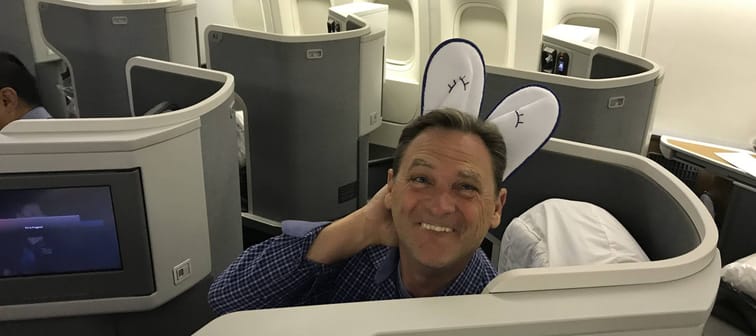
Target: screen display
(57, 230)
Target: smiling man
(419, 235)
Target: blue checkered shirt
(276, 273)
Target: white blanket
(741, 274)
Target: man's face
(442, 199)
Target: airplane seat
(658, 210)
(536, 181)
(171, 235)
(284, 78)
(597, 80)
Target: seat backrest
(648, 212)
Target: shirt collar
(386, 264)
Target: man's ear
(499, 202)
(8, 97)
(389, 188)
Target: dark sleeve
(274, 273)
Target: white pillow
(559, 232)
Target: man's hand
(379, 225)
(370, 225)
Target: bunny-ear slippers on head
(455, 78)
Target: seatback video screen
(56, 231)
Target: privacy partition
(311, 100)
(97, 38)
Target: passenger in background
(19, 98)
(419, 236)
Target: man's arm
(290, 270)
(274, 273)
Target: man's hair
(14, 74)
(451, 119)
